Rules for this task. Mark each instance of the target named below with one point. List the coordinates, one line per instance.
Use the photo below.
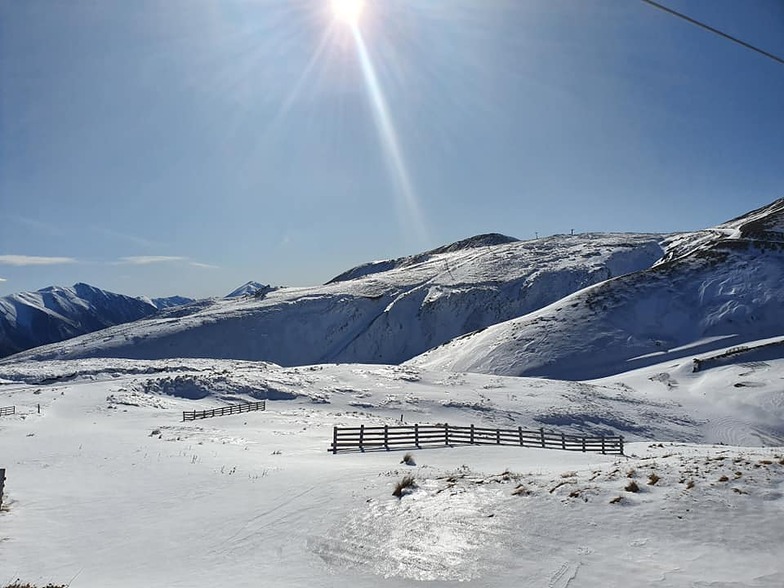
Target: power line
(716, 31)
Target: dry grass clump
(632, 487)
(616, 500)
(521, 490)
(689, 484)
(404, 486)
(724, 479)
(653, 478)
(408, 460)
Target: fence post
(446, 433)
(472, 434)
(416, 435)
(583, 443)
(620, 439)
(563, 441)
(2, 485)
(541, 433)
(361, 437)
(603, 451)
(386, 437)
(520, 435)
(498, 436)
(334, 440)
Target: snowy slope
(107, 487)
(713, 289)
(30, 319)
(382, 314)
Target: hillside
(386, 312)
(30, 319)
(712, 289)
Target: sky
(188, 146)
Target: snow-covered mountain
(385, 312)
(702, 416)
(167, 302)
(49, 315)
(712, 289)
(248, 289)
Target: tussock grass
(404, 486)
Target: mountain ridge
(388, 316)
(56, 313)
(711, 289)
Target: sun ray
(409, 204)
(294, 95)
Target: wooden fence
(224, 410)
(6, 410)
(390, 437)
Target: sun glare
(348, 11)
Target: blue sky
(187, 146)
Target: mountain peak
(374, 267)
(247, 289)
(485, 240)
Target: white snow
(109, 488)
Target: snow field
(107, 486)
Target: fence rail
(398, 436)
(6, 410)
(224, 410)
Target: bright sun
(348, 11)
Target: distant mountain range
(49, 315)
(566, 306)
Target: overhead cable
(715, 31)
